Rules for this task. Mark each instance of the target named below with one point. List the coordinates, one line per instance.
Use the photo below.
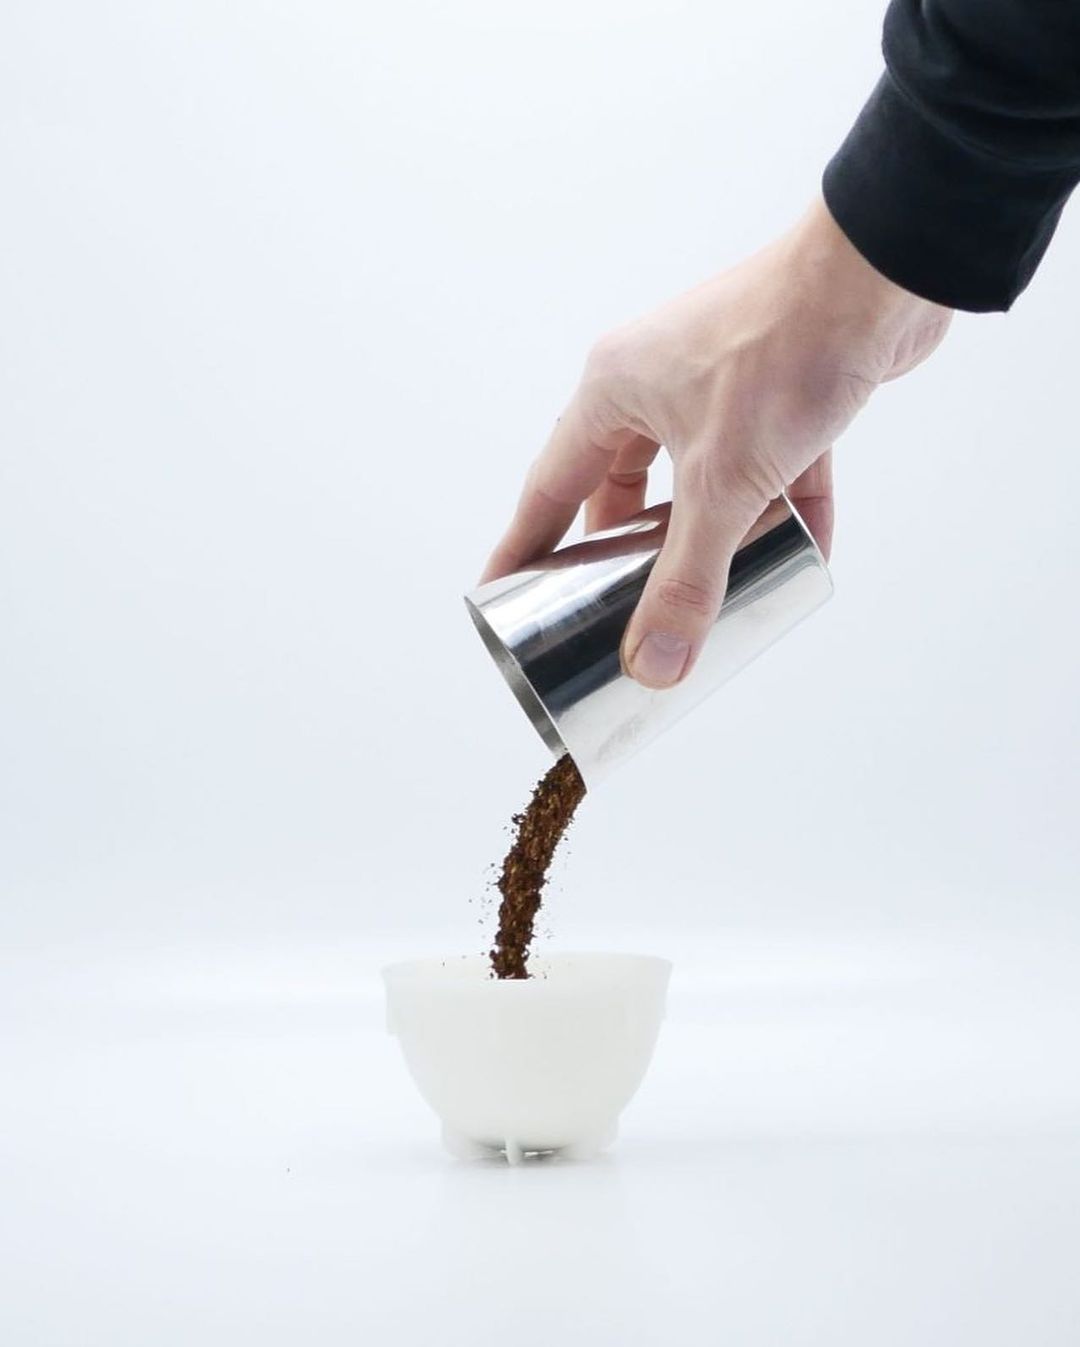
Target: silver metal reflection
(555, 630)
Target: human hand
(746, 380)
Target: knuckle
(606, 355)
(609, 368)
(687, 596)
(597, 413)
(732, 487)
(752, 481)
(697, 478)
(538, 481)
(628, 476)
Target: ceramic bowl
(542, 1065)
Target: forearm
(953, 178)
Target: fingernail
(660, 659)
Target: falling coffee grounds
(537, 832)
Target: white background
(289, 296)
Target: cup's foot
(585, 1148)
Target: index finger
(570, 467)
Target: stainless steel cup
(555, 630)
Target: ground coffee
(537, 833)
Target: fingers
(686, 587)
(621, 493)
(812, 495)
(571, 466)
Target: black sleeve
(953, 177)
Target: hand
(746, 380)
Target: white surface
(838, 1144)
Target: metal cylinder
(555, 630)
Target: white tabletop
(836, 1144)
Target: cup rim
(822, 560)
(541, 719)
(413, 970)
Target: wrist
(856, 306)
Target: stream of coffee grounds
(537, 832)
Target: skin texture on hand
(746, 380)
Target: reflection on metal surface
(555, 630)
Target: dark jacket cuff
(938, 217)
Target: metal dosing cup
(555, 630)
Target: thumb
(684, 592)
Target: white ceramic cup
(539, 1065)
